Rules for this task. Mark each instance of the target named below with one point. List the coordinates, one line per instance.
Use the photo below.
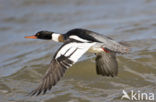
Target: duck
(77, 42)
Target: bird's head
(47, 35)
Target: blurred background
(23, 62)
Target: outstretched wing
(106, 64)
(67, 55)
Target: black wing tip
(108, 74)
(48, 83)
(33, 93)
(37, 92)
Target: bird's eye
(37, 34)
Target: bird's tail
(121, 47)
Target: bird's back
(105, 41)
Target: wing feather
(106, 64)
(67, 55)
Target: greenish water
(23, 62)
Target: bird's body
(76, 42)
(102, 41)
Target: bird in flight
(76, 42)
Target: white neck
(55, 37)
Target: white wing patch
(74, 50)
(67, 55)
(78, 38)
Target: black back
(82, 33)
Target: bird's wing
(67, 55)
(106, 64)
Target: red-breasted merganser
(76, 43)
